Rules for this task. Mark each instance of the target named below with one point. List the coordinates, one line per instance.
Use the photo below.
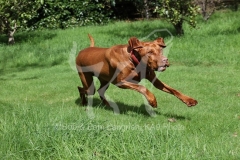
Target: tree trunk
(179, 28)
(10, 35)
(204, 9)
(236, 5)
(146, 9)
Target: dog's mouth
(162, 68)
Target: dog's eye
(150, 52)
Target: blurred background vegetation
(25, 15)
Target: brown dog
(125, 66)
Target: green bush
(176, 12)
(64, 14)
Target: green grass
(41, 116)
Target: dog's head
(149, 53)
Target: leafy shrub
(176, 12)
(64, 14)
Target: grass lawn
(41, 116)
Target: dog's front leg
(141, 89)
(160, 85)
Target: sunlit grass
(41, 116)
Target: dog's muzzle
(163, 67)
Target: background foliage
(53, 14)
(19, 12)
(176, 12)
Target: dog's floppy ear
(134, 43)
(160, 42)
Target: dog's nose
(165, 60)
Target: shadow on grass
(146, 30)
(125, 109)
(13, 76)
(177, 117)
(33, 37)
(226, 32)
(23, 68)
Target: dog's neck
(135, 58)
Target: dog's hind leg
(88, 86)
(82, 95)
(102, 89)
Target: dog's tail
(91, 40)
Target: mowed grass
(41, 116)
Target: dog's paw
(105, 102)
(153, 103)
(190, 102)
